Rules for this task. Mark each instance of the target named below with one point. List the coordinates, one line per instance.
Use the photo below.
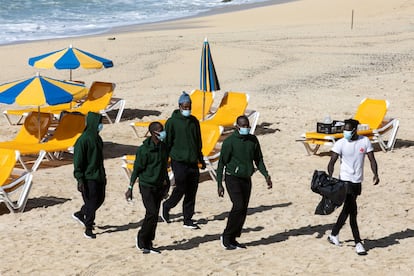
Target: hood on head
(92, 121)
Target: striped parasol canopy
(70, 58)
(208, 76)
(39, 90)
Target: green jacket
(237, 155)
(184, 138)
(150, 164)
(88, 160)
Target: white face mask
(100, 127)
(186, 112)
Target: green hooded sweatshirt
(88, 152)
(150, 164)
(184, 138)
(237, 154)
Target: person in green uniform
(238, 153)
(150, 167)
(89, 171)
(184, 146)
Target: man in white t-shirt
(352, 150)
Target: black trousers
(350, 209)
(186, 185)
(239, 190)
(93, 197)
(151, 198)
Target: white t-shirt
(352, 154)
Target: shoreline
(180, 23)
(160, 25)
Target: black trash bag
(325, 207)
(333, 192)
(319, 179)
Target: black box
(334, 127)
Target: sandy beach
(298, 61)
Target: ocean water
(27, 20)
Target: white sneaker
(360, 250)
(334, 240)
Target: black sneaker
(225, 243)
(165, 215)
(89, 234)
(238, 245)
(190, 225)
(79, 218)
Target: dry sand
(298, 61)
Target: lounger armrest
(115, 103)
(22, 114)
(15, 183)
(22, 183)
(301, 138)
(391, 127)
(253, 116)
(388, 125)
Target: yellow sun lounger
(101, 100)
(70, 127)
(210, 136)
(197, 98)
(12, 181)
(33, 131)
(233, 105)
(371, 116)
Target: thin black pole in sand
(352, 20)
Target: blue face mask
(186, 112)
(244, 130)
(162, 135)
(100, 127)
(348, 134)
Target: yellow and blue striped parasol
(38, 91)
(70, 58)
(208, 77)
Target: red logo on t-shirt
(361, 150)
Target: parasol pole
(38, 114)
(38, 122)
(70, 70)
(204, 103)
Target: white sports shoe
(334, 240)
(360, 250)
